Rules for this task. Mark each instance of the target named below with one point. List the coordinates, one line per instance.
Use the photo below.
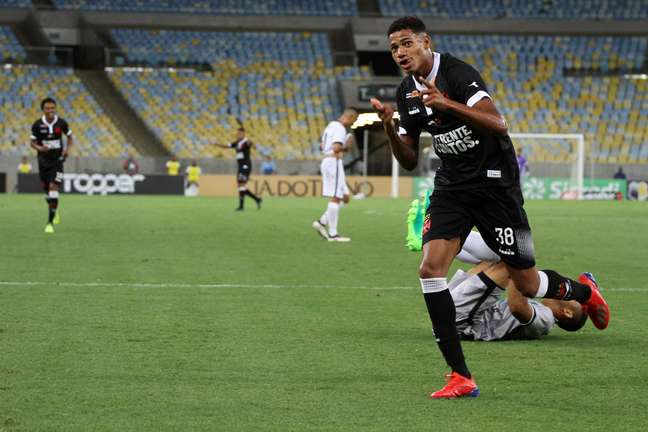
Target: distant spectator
(620, 175)
(193, 172)
(522, 166)
(173, 166)
(130, 165)
(24, 167)
(268, 166)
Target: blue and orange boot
(597, 308)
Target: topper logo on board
(101, 184)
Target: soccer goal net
(555, 164)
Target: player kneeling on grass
(335, 141)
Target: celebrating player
(335, 140)
(47, 139)
(476, 185)
(243, 146)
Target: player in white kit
(483, 315)
(335, 141)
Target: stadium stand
(10, 49)
(535, 93)
(220, 7)
(281, 86)
(15, 3)
(522, 9)
(23, 87)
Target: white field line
(412, 287)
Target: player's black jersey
(242, 152)
(470, 157)
(50, 135)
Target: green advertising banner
(538, 188)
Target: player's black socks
(241, 198)
(52, 204)
(251, 195)
(562, 288)
(442, 312)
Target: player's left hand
(431, 96)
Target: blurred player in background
(130, 165)
(478, 184)
(47, 139)
(193, 173)
(335, 141)
(242, 146)
(173, 166)
(523, 166)
(24, 167)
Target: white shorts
(333, 178)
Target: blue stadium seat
(524, 9)
(220, 7)
(272, 82)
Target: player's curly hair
(47, 100)
(407, 23)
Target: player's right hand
(385, 111)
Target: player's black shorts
(497, 213)
(51, 173)
(243, 173)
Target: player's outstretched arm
(483, 114)
(404, 147)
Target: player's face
(563, 310)
(410, 50)
(49, 109)
(350, 119)
(240, 135)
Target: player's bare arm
(348, 143)
(338, 149)
(518, 304)
(38, 147)
(498, 273)
(483, 114)
(404, 147)
(70, 144)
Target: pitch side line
(186, 285)
(226, 285)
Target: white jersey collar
(50, 126)
(433, 73)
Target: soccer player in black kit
(243, 146)
(47, 139)
(476, 185)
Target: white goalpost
(549, 155)
(555, 155)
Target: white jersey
(335, 132)
(482, 315)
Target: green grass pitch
(178, 314)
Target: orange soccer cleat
(458, 386)
(597, 308)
